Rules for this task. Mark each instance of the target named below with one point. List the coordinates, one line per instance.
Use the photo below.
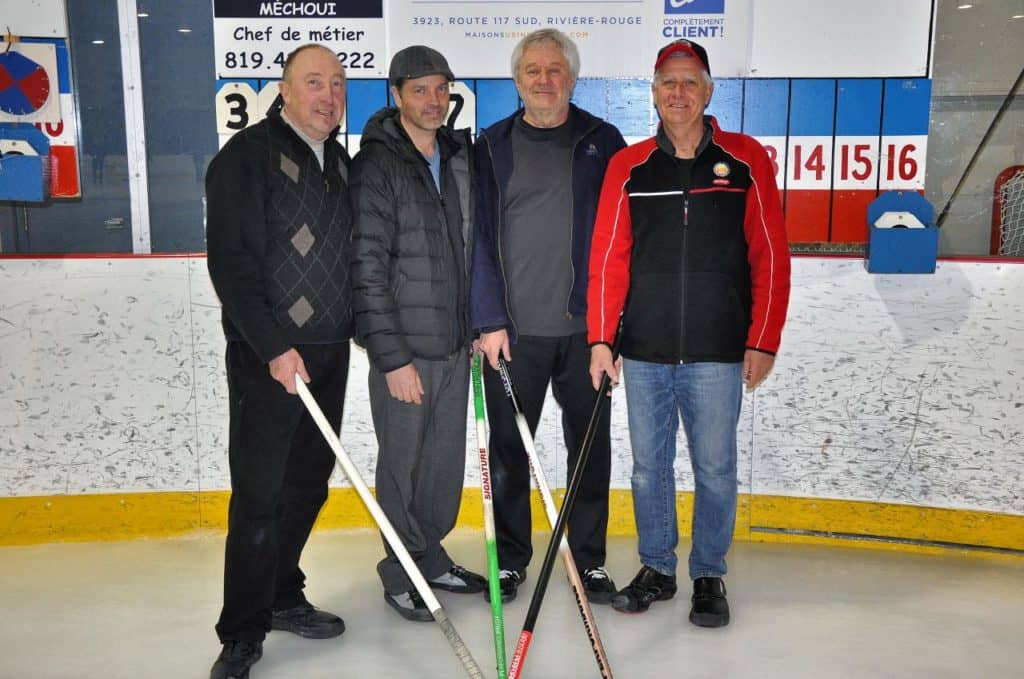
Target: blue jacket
(594, 142)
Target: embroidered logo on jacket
(721, 169)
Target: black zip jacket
(695, 252)
(594, 141)
(411, 245)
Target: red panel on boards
(850, 215)
(807, 212)
(64, 172)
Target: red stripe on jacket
(767, 246)
(612, 244)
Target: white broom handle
(418, 581)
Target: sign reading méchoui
(252, 38)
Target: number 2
(459, 102)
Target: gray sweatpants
(420, 464)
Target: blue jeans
(708, 397)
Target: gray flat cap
(417, 61)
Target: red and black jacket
(699, 250)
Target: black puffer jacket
(409, 272)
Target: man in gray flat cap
(410, 189)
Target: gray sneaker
(409, 605)
(459, 580)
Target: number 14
(815, 162)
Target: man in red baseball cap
(689, 229)
(682, 48)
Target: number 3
(238, 109)
(235, 103)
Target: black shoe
(710, 607)
(598, 585)
(307, 621)
(647, 587)
(409, 605)
(459, 580)
(235, 659)
(510, 581)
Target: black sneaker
(647, 587)
(510, 581)
(710, 607)
(307, 621)
(459, 580)
(598, 585)
(409, 605)
(235, 659)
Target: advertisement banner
(477, 36)
(834, 140)
(252, 38)
(616, 40)
(722, 27)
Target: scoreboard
(835, 142)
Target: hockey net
(1008, 213)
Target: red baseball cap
(682, 47)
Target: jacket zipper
(687, 188)
(501, 255)
(572, 216)
(572, 223)
(453, 290)
(682, 271)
